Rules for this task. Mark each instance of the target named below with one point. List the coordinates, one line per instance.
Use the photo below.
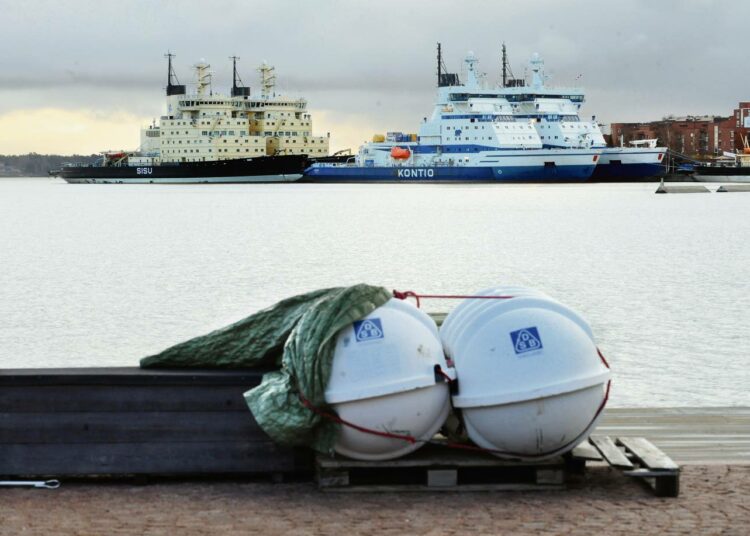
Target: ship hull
(249, 170)
(483, 166)
(721, 174)
(573, 173)
(618, 164)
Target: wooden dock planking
(639, 458)
(687, 435)
(647, 453)
(610, 452)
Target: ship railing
(449, 163)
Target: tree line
(38, 165)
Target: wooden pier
(128, 421)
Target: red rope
(411, 294)
(449, 444)
(335, 418)
(601, 356)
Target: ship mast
(238, 88)
(509, 79)
(170, 71)
(444, 77)
(267, 80)
(173, 85)
(439, 64)
(203, 76)
(505, 66)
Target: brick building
(698, 136)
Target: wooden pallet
(439, 469)
(637, 457)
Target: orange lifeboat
(400, 153)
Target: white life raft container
(531, 382)
(384, 379)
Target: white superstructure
(473, 133)
(206, 126)
(555, 114)
(554, 111)
(466, 123)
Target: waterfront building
(697, 136)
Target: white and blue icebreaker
(473, 135)
(554, 113)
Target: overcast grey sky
(364, 66)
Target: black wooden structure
(128, 421)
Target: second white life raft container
(386, 377)
(531, 381)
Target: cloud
(374, 60)
(52, 130)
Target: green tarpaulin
(298, 335)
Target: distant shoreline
(38, 165)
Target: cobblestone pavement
(713, 500)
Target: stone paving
(714, 499)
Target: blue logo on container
(526, 340)
(369, 329)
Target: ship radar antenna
(203, 76)
(267, 80)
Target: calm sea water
(94, 275)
